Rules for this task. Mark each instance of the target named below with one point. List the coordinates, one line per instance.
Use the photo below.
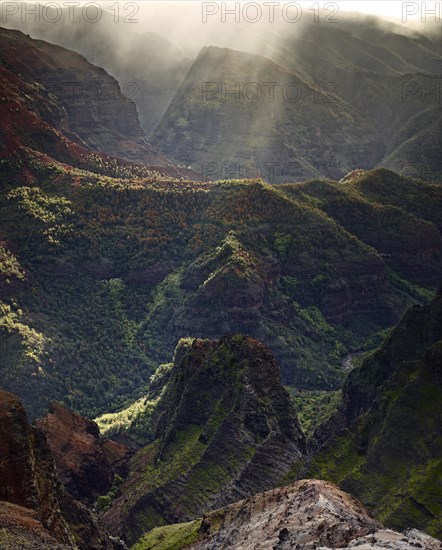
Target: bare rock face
(305, 515)
(391, 540)
(17, 482)
(21, 527)
(27, 476)
(86, 463)
(36, 512)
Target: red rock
(86, 463)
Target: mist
(150, 47)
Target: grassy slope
(390, 456)
(170, 537)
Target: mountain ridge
(224, 429)
(383, 444)
(371, 135)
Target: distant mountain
(227, 135)
(390, 76)
(76, 98)
(107, 264)
(148, 66)
(315, 103)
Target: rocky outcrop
(22, 527)
(35, 510)
(27, 476)
(392, 540)
(305, 515)
(86, 463)
(225, 429)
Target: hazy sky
(387, 8)
(191, 24)
(392, 8)
(175, 17)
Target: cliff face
(88, 104)
(150, 79)
(86, 464)
(385, 443)
(17, 484)
(305, 515)
(47, 121)
(35, 511)
(225, 429)
(418, 330)
(308, 514)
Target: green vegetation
(159, 469)
(170, 537)
(22, 345)
(419, 293)
(391, 460)
(395, 231)
(105, 501)
(134, 420)
(315, 407)
(105, 265)
(37, 212)
(390, 456)
(282, 243)
(9, 266)
(183, 452)
(117, 271)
